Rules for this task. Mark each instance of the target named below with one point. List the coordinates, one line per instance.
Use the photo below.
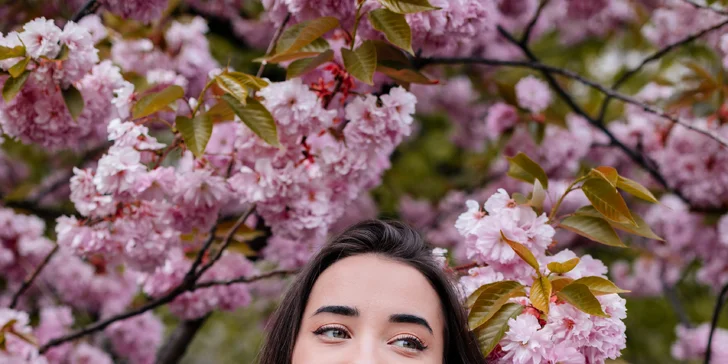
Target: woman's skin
(373, 310)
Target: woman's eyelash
(415, 341)
(324, 329)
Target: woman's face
(373, 310)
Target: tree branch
(89, 7)
(532, 23)
(653, 57)
(546, 69)
(272, 44)
(674, 300)
(29, 281)
(188, 284)
(226, 241)
(230, 282)
(706, 7)
(176, 346)
(634, 155)
(714, 323)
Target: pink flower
(142, 10)
(525, 342)
(533, 94)
(500, 118)
(41, 38)
(138, 338)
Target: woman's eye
(332, 333)
(410, 343)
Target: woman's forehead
(378, 285)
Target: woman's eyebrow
(410, 319)
(338, 310)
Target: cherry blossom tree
(163, 161)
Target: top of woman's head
(375, 277)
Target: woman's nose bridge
(367, 350)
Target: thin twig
(575, 76)
(634, 155)
(272, 44)
(672, 297)
(169, 297)
(229, 282)
(653, 57)
(706, 7)
(226, 241)
(714, 323)
(191, 275)
(89, 7)
(532, 23)
(176, 346)
(29, 281)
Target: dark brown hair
(392, 240)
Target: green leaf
(304, 33)
(606, 199)
(14, 85)
(600, 286)
(593, 228)
(405, 75)
(606, 173)
(558, 283)
(195, 132)
(523, 168)
(253, 82)
(157, 101)
(286, 57)
(564, 267)
(394, 26)
(635, 189)
(492, 332)
(490, 298)
(18, 68)
(393, 56)
(256, 117)
(579, 296)
(642, 229)
(407, 6)
(538, 196)
(74, 101)
(541, 293)
(14, 52)
(63, 54)
(303, 66)
(522, 252)
(362, 62)
(221, 112)
(233, 87)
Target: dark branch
(226, 241)
(176, 346)
(714, 323)
(546, 69)
(706, 7)
(634, 155)
(272, 44)
(532, 23)
(672, 297)
(29, 281)
(230, 282)
(653, 57)
(89, 7)
(187, 285)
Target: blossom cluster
(38, 113)
(304, 187)
(566, 334)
